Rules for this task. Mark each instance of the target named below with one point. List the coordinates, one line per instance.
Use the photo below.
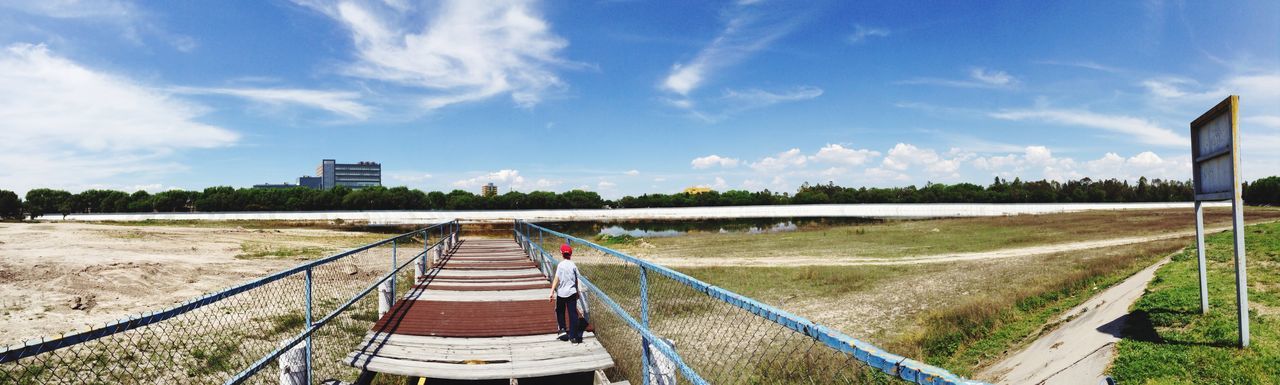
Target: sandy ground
(801, 260)
(61, 277)
(1081, 348)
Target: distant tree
(1263, 192)
(44, 201)
(10, 205)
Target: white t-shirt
(568, 274)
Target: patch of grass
(263, 250)
(791, 282)
(894, 239)
(615, 240)
(1182, 346)
(290, 322)
(966, 335)
(214, 358)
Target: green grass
(1182, 346)
(895, 239)
(792, 282)
(262, 250)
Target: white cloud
(1041, 160)
(125, 18)
(741, 37)
(993, 78)
(752, 98)
(713, 161)
(458, 51)
(1141, 130)
(74, 9)
(789, 159)
(862, 33)
(1146, 164)
(606, 185)
(66, 125)
(632, 173)
(502, 178)
(720, 184)
(837, 154)
(978, 78)
(409, 177)
(338, 102)
(904, 156)
(1272, 121)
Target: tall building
(489, 190)
(353, 175)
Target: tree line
(41, 201)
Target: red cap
(565, 249)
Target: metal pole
(308, 323)
(1204, 277)
(644, 321)
(1242, 283)
(393, 268)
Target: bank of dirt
(62, 277)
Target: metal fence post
(393, 268)
(309, 324)
(644, 321)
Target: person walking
(565, 291)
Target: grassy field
(929, 237)
(1176, 344)
(960, 316)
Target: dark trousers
(570, 302)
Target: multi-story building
(489, 190)
(330, 173)
(353, 175)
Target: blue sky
(624, 97)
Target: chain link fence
(315, 313)
(664, 327)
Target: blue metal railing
(891, 364)
(447, 235)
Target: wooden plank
(483, 296)
(488, 371)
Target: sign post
(1215, 159)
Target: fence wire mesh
(718, 337)
(220, 337)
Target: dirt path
(1081, 348)
(937, 258)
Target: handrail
(35, 347)
(302, 336)
(889, 363)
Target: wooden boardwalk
(482, 315)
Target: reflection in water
(658, 229)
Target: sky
(625, 97)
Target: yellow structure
(695, 190)
(489, 190)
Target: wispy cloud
(978, 78)
(339, 102)
(1141, 130)
(862, 33)
(746, 32)
(1081, 64)
(455, 52)
(66, 125)
(132, 21)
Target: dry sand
(61, 277)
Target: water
(676, 228)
